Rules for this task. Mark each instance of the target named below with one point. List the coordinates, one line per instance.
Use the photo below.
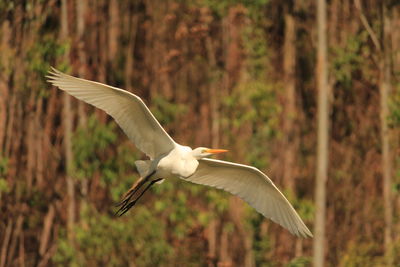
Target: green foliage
(97, 152)
(349, 58)
(256, 47)
(167, 227)
(299, 262)
(394, 123)
(396, 251)
(6, 6)
(254, 103)
(139, 236)
(4, 186)
(396, 182)
(362, 254)
(89, 143)
(394, 106)
(3, 171)
(65, 252)
(262, 243)
(254, 100)
(3, 166)
(165, 111)
(122, 169)
(218, 199)
(103, 240)
(42, 53)
(304, 207)
(39, 57)
(220, 8)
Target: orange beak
(216, 151)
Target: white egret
(168, 158)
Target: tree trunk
(290, 142)
(213, 93)
(4, 90)
(395, 37)
(236, 214)
(5, 244)
(129, 64)
(384, 89)
(80, 21)
(46, 233)
(224, 257)
(214, 96)
(67, 112)
(113, 31)
(322, 146)
(212, 242)
(384, 57)
(289, 66)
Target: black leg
(129, 205)
(133, 190)
(136, 186)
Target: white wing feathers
(144, 130)
(127, 109)
(254, 187)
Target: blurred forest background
(234, 74)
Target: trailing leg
(129, 205)
(135, 187)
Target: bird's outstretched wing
(129, 111)
(254, 187)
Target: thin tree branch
(370, 31)
(6, 240)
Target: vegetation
(239, 75)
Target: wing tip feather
(304, 232)
(53, 75)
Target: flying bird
(168, 158)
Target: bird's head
(202, 152)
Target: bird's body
(167, 158)
(178, 162)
